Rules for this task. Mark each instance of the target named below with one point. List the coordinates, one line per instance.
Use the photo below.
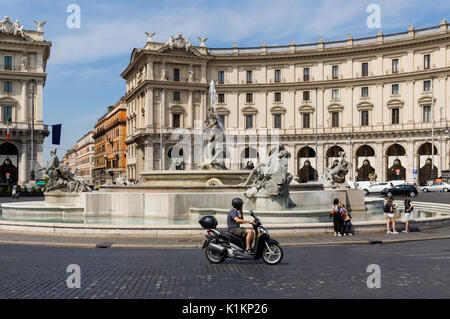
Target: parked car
(400, 190)
(436, 187)
(375, 187)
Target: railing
(16, 125)
(235, 50)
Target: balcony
(16, 125)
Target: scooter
(220, 244)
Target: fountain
(178, 194)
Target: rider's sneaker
(249, 251)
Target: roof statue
(179, 42)
(39, 25)
(202, 41)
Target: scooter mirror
(252, 214)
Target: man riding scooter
(235, 219)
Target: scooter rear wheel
(272, 255)
(212, 256)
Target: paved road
(417, 270)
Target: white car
(436, 187)
(375, 187)
(378, 187)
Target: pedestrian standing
(390, 207)
(14, 192)
(335, 213)
(346, 221)
(408, 210)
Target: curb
(193, 246)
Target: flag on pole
(56, 134)
(8, 123)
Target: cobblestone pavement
(417, 270)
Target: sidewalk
(197, 241)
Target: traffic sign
(415, 171)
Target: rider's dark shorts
(240, 232)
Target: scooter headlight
(263, 231)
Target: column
(150, 75)
(149, 107)
(409, 165)
(379, 162)
(191, 110)
(23, 102)
(23, 176)
(162, 123)
(203, 74)
(39, 100)
(148, 156)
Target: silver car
(436, 187)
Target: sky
(83, 72)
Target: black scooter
(220, 244)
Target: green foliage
(19, 188)
(24, 189)
(2, 189)
(46, 179)
(33, 190)
(9, 189)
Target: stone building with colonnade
(382, 99)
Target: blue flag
(56, 134)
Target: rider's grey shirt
(231, 223)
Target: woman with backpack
(389, 210)
(335, 213)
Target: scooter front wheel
(272, 254)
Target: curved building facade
(384, 100)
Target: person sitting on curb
(390, 212)
(346, 221)
(408, 209)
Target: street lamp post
(316, 176)
(433, 173)
(32, 176)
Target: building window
(394, 65)
(176, 96)
(277, 96)
(305, 74)
(395, 116)
(364, 118)
(176, 120)
(277, 120)
(7, 114)
(427, 113)
(277, 75)
(176, 74)
(221, 77)
(248, 121)
(306, 96)
(364, 91)
(249, 76)
(306, 120)
(7, 87)
(335, 94)
(8, 62)
(426, 61)
(335, 71)
(249, 97)
(427, 85)
(221, 98)
(221, 120)
(334, 119)
(395, 89)
(365, 69)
